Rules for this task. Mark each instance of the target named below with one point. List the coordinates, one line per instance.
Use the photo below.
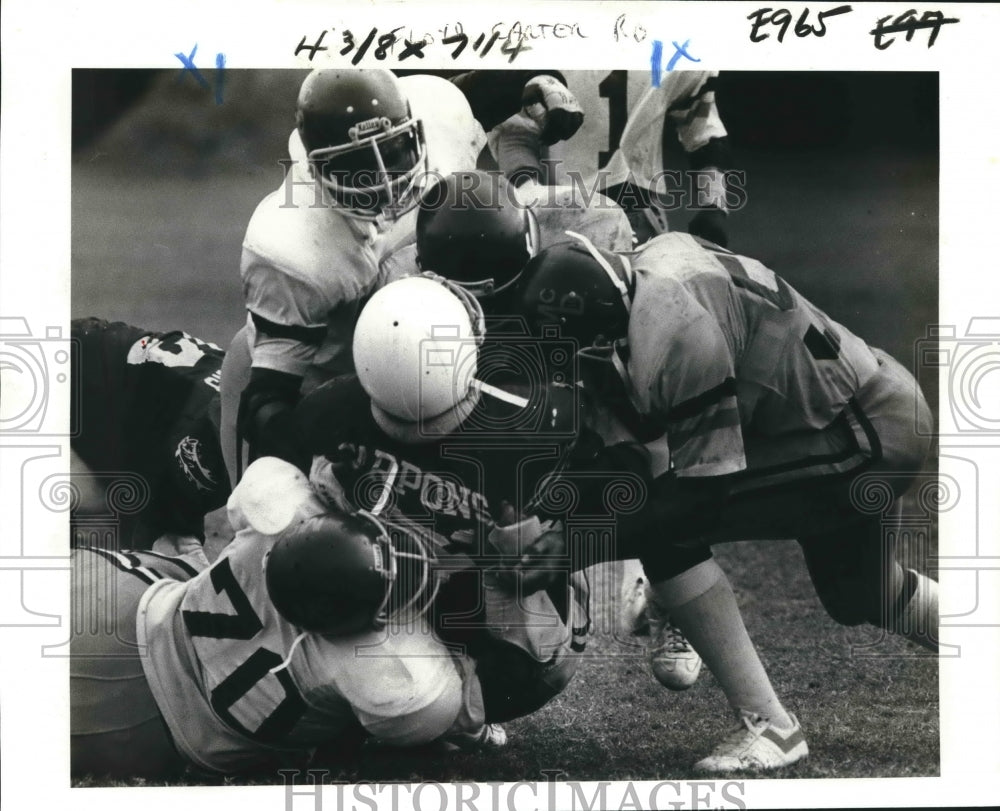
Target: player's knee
(845, 602)
(662, 561)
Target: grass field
(854, 232)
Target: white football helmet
(416, 345)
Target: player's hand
(550, 104)
(710, 224)
(539, 566)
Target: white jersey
(306, 267)
(624, 117)
(236, 683)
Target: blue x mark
(189, 67)
(656, 61)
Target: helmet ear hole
(570, 284)
(418, 366)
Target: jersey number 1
(614, 88)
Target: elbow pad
(266, 419)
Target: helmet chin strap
(428, 430)
(623, 286)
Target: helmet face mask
(412, 583)
(340, 575)
(376, 176)
(363, 143)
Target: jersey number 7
(244, 625)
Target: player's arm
(288, 319)
(522, 112)
(703, 136)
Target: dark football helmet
(362, 140)
(345, 574)
(472, 229)
(584, 291)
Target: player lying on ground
(149, 408)
(621, 147)
(771, 421)
(364, 146)
(309, 629)
(249, 673)
(462, 458)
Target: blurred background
(841, 178)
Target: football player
(149, 407)
(416, 434)
(477, 231)
(309, 627)
(768, 420)
(619, 148)
(364, 146)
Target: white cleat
(675, 663)
(485, 739)
(756, 745)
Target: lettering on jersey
(214, 380)
(437, 492)
(174, 349)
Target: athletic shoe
(486, 738)
(756, 745)
(675, 663)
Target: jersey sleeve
(403, 684)
(304, 269)
(288, 315)
(691, 108)
(684, 376)
(559, 209)
(684, 101)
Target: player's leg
(115, 725)
(853, 565)
(632, 599)
(690, 586)
(858, 579)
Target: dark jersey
(149, 405)
(454, 484)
